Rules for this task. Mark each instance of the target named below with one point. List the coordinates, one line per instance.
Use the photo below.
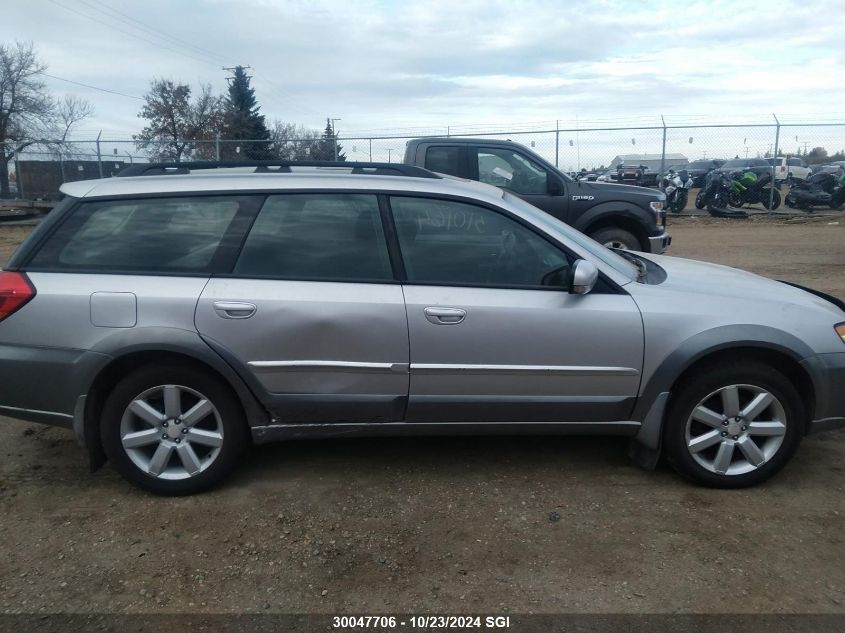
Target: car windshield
(605, 255)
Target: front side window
(511, 170)
(169, 235)
(448, 242)
(317, 236)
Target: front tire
(733, 425)
(613, 237)
(700, 200)
(173, 429)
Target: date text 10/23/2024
(426, 622)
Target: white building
(652, 161)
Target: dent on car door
(495, 336)
(312, 311)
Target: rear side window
(445, 160)
(172, 235)
(317, 236)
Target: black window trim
(606, 285)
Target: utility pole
(232, 69)
(334, 135)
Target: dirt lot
(441, 525)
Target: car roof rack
(275, 167)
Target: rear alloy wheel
(621, 239)
(734, 426)
(172, 430)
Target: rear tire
(721, 440)
(775, 199)
(173, 429)
(613, 237)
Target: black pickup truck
(618, 216)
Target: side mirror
(584, 277)
(555, 186)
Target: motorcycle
(822, 189)
(716, 196)
(749, 188)
(676, 186)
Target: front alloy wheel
(735, 429)
(733, 423)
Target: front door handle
(234, 309)
(445, 316)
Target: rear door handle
(234, 309)
(445, 316)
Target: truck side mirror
(555, 186)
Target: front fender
(621, 209)
(654, 392)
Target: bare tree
(293, 142)
(25, 106)
(70, 111)
(175, 121)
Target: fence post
(777, 149)
(217, 147)
(371, 150)
(99, 155)
(663, 151)
(18, 179)
(557, 142)
(335, 147)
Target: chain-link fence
(42, 168)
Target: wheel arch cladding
(769, 345)
(134, 355)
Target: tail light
(15, 293)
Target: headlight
(657, 206)
(840, 330)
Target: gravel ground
(431, 525)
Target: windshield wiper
(642, 271)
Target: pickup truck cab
(617, 216)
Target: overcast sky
(380, 65)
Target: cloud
(382, 64)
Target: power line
(152, 30)
(79, 83)
(135, 35)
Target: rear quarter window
(172, 235)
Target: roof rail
(275, 167)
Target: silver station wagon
(171, 316)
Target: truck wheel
(613, 237)
(172, 429)
(733, 425)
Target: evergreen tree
(242, 121)
(324, 149)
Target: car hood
(703, 278)
(609, 190)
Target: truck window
(510, 170)
(444, 159)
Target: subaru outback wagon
(172, 316)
